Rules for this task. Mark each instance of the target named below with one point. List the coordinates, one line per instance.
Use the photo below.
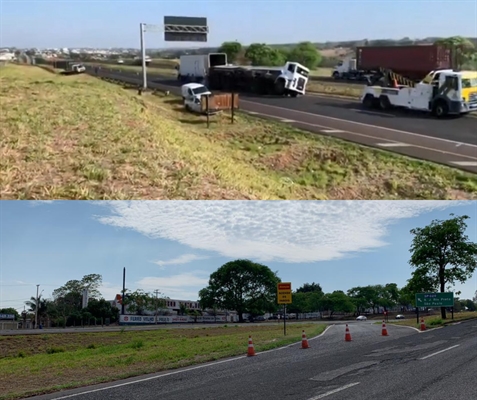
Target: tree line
(441, 255)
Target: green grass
(77, 137)
(101, 357)
(435, 319)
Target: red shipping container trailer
(413, 62)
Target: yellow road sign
(284, 293)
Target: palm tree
(42, 306)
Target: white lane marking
(393, 144)
(334, 391)
(287, 120)
(368, 136)
(332, 131)
(465, 163)
(184, 370)
(361, 123)
(439, 352)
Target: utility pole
(36, 308)
(156, 292)
(142, 28)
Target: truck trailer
(413, 62)
(214, 71)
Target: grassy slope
(40, 364)
(80, 138)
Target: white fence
(147, 319)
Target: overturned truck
(288, 80)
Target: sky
(115, 23)
(174, 246)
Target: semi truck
(414, 62)
(214, 71)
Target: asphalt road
(406, 365)
(451, 141)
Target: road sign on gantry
(185, 29)
(284, 293)
(445, 299)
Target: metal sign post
(284, 296)
(175, 29)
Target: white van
(191, 95)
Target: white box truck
(195, 68)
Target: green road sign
(435, 299)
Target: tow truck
(442, 92)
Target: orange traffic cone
(347, 335)
(384, 331)
(423, 325)
(304, 341)
(251, 349)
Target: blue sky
(174, 246)
(106, 23)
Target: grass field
(46, 363)
(435, 319)
(166, 68)
(77, 137)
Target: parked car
(400, 316)
(361, 318)
(260, 318)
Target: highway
(436, 364)
(450, 141)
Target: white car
(400, 316)
(192, 94)
(361, 318)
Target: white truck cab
(296, 76)
(78, 68)
(344, 67)
(192, 94)
(441, 92)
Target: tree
(306, 54)
(337, 301)
(261, 54)
(310, 287)
(139, 301)
(243, 286)
(364, 297)
(442, 253)
(10, 310)
(42, 306)
(102, 309)
(463, 50)
(232, 49)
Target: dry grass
(78, 137)
(36, 364)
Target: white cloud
(181, 286)
(183, 259)
(36, 203)
(286, 231)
